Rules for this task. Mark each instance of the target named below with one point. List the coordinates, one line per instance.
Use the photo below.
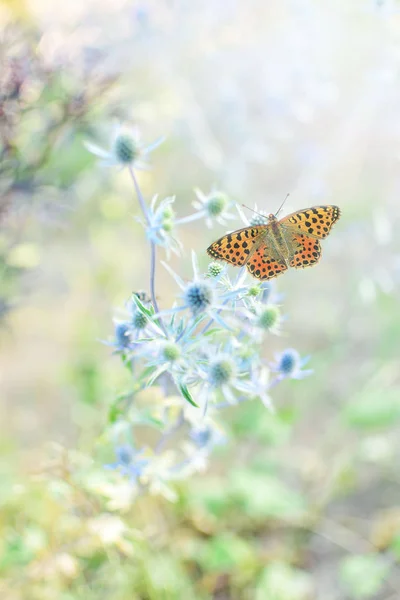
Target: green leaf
(363, 575)
(186, 394)
(156, 374)
(148, 312)
(211, 332)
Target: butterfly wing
(307, 254)
(315, 222)
(264, 266)
(236, 247)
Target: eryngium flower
(126, 149)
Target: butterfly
(268, 250)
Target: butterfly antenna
(281, 206)
(254, 211)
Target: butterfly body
(270, 249)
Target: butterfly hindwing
(315, 222)
(236, 247)
(263, 266)
(307, 254)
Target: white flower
(213, 206)
(160, 224)
(126, 149)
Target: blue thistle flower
(198, 296)
(126, 149)
(161, 224)
(122, 334)
(128, 462)
(288, 361)
(258, 220)
(213, 206)
(207, 436)
(139, 320)
(221, 371)
(289, 364)
(269, 317)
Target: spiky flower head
(254, 291)
(170, 352)
(269, 317)
(215, 269)
(221, 371)
(258, 220)
(216, 203)
(167, 212)
(125, 149)
(290, 364)
(122, 334)
(167, 225)
(213, 206)
(124, 454)
(139, 320)
(289, 361)
(198, 295)
(201, 435)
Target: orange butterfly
(270, 249)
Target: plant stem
(139, 195)
(152, 248)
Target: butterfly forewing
(315, 222)
(236, 247)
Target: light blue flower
(233, 289)
(289, 364)
(207, 436)
(178, 355)
(122, 333)
(160, 225)
(200, 296)
(126, 149)
(128, 462)
(214, 206)
(220, 377)
(211, 207)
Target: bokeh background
(259, 99)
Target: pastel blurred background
(260, 99)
